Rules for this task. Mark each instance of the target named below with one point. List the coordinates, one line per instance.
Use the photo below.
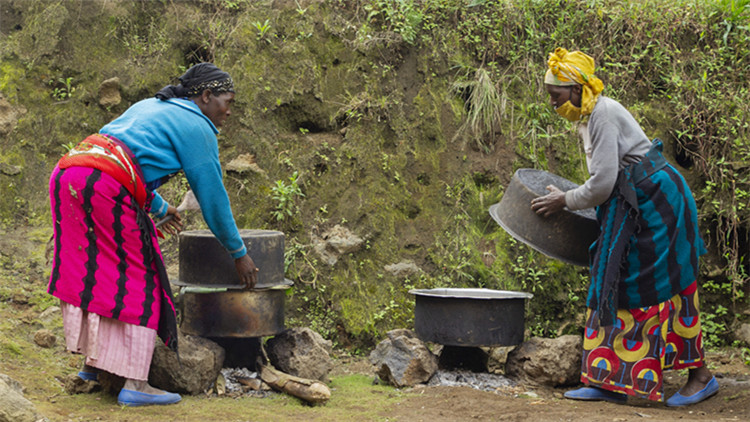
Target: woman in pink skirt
(107, 270)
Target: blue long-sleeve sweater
(173, 135)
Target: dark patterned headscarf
(197, 79)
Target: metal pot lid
(471, 293)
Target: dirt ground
(42, 370)
(422, 403)
(535, 403)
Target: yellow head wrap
(570, 68)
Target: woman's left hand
(174, 225)
(549, 204)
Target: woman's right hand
(549, 204)
(174, 225)
(247, 271)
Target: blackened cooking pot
(205, 262)
(565, 235)
(470, 317)
(224, 312)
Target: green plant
(363, 106)
(745, 351)
(300, 264)
(735, 13)
(300, 9)
(713, 139)
(262, 28)
(400, 16)
(314, 310)
(285, 195)
(68, 146)
(233, 4)
(62, 88)
(528, 272)
(145, 38)
(713, 326)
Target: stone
(547, 361)
(199, 365)
(109, 92)
(497, 357)
(13, 384)
(743, 334)
(9, 169)
(342, 240)
(403, 360)
(301, 352)
(50, 314)
(45, 338)
(403, 269)
(74, 384)
(14, 407)
(9, 115)
(244, 163)
(336, 242)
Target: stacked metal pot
(214, 302)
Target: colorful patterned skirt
(631, 356)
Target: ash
(240, 381)
(477, 380)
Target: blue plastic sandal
(88, 376)
(711, 388)
(595, 394)
(136, 398)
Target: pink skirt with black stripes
(101, 261)
(103, 272)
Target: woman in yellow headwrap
(643, 308)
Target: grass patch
(351, 395)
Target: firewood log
(311, 391)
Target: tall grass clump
(484, 107)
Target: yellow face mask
(569, 111)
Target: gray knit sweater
(612, 140)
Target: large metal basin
(470, 317)
(565, 235)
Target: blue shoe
(595, 394)
(711, 388)
(136, 398)
(88, 376)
